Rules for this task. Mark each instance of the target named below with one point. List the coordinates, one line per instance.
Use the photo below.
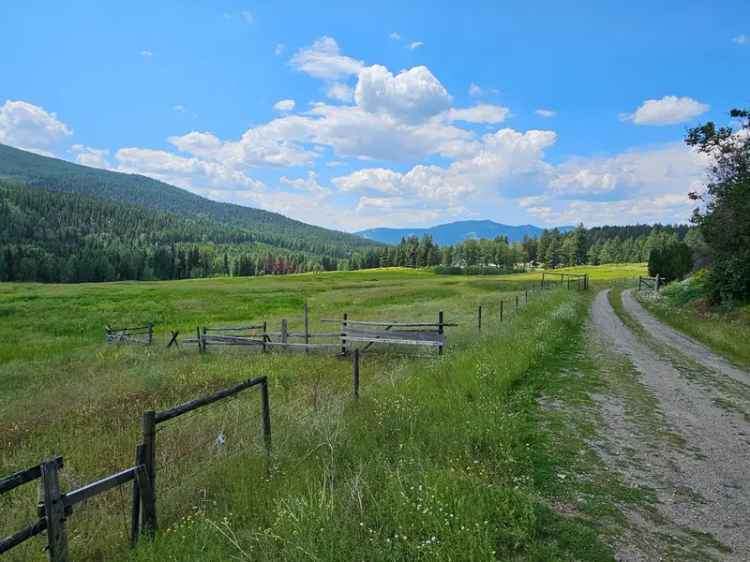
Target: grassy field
(439, 460)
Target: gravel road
(701, 474)
(686, 345)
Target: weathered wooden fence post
(266, 413)
(205, 343)
(526, 295)
(148, 497)
(502, 303)
(343, 332)
(265, 336)
(150, 332)
(54, 509)
(440, 331)
(355, 368)
(479, 318)
(198, 337)
(138, 487)
(516, 303)
(307, 328)
(284, 332)
(658, 279)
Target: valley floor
(577, 428)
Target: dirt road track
(702, 481)
(686, 345)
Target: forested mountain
(67, 237)
(456, 232)
(269, 228)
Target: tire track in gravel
(684, 344)
(702, 485)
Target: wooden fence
(140, 335)
(578, 281)
(56, 506)
(649, 283)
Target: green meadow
(440, 459)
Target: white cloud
(741, 39)
(502, 156)
(190, 173)
(584, 181)
(323, 59)
(341, 92)
(395, 36)
(669, 110)
(284, 105)
(279, 49)
(547, 113)
(411, 95)
(145, 53)
(263, 146)
(480, 113)
(30, 126)
(248, 16)
(668, 169)
(94, 157)
(415, 45)
(310, 183)
(475, 91)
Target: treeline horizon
(54, 237)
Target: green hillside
(266, 227)
(49, 236)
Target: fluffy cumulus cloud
(668, 110)
(340, 91)
(190, 173)
(499, 158)
(547, 113)
(411, 95)
(323, 59)
(31, 127)
(94, 157)
(284, 105)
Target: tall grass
(439, 460)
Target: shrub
(672, 262)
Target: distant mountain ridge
(457, 232)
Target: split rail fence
(140, 335)
(57, 506)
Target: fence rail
(55, 506)
(141, 334)
(650, 283)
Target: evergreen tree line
(599, 245)
(66, 237)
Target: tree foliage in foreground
(724, 218)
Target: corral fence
(57, 506)
(649, 283)
(143, 335)
(578, 281)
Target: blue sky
(352, 115)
